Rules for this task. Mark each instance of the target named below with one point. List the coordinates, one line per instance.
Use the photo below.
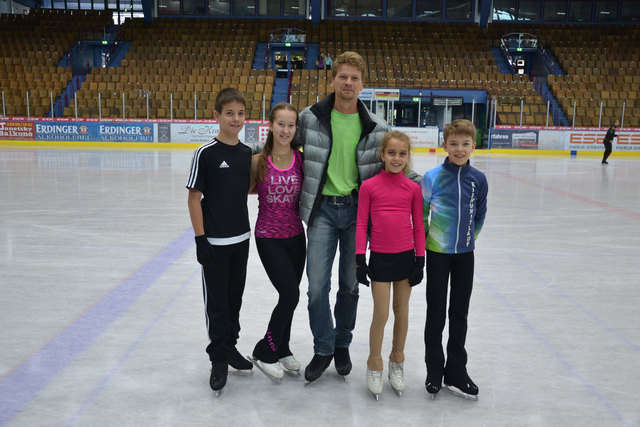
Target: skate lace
(374, 376)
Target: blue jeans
(332, 225)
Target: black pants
(439, 268)
(223, 286)
(607, 150)
(283, 260)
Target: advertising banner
(255, 131)
(585, 140)
(514, 138)
(198, 133)
(421, 137)
(201, 133)
(87, 131)
(62, 131)
(16, 130)
(123, 132)
(557, 138)
(551, 140)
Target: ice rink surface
(102, 318)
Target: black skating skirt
(391, 267)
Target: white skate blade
(375, 396)
(457, 392)
(219, 393)
(257, 365)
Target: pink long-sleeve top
(394, 204)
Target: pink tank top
(278, 200)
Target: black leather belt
(338, 200)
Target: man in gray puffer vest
(341, 149)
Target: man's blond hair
(349, 58)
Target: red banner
(17, 130)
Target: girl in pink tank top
(278, 198)
(276, 175)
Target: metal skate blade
(294, 374)
(241, 372)
(272, 378)
(308, 383)
(457, 392)
(376, 396)
(395, 390)
(219, 393)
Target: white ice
(102, 320)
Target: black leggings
(283, 260)
(439, 268)
(607, 150)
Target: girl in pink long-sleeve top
(392, 204)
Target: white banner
(421, 137)
(198, 133)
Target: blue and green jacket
(456, 198)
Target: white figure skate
(396, 377)
(374, 382)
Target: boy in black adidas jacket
(218, 187)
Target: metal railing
(143, 105)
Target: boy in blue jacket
(455, 194)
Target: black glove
(204, 251)
(418, 271)
(362, 270)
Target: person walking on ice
(608, 141)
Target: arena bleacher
(172, 68)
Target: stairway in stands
(501, 61)
(258, 58)
(280, 90)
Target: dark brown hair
(228, 95)
(268, 146)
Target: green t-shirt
(342, 173)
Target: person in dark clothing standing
(218, 184)
(276, 176)
(608, 138)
